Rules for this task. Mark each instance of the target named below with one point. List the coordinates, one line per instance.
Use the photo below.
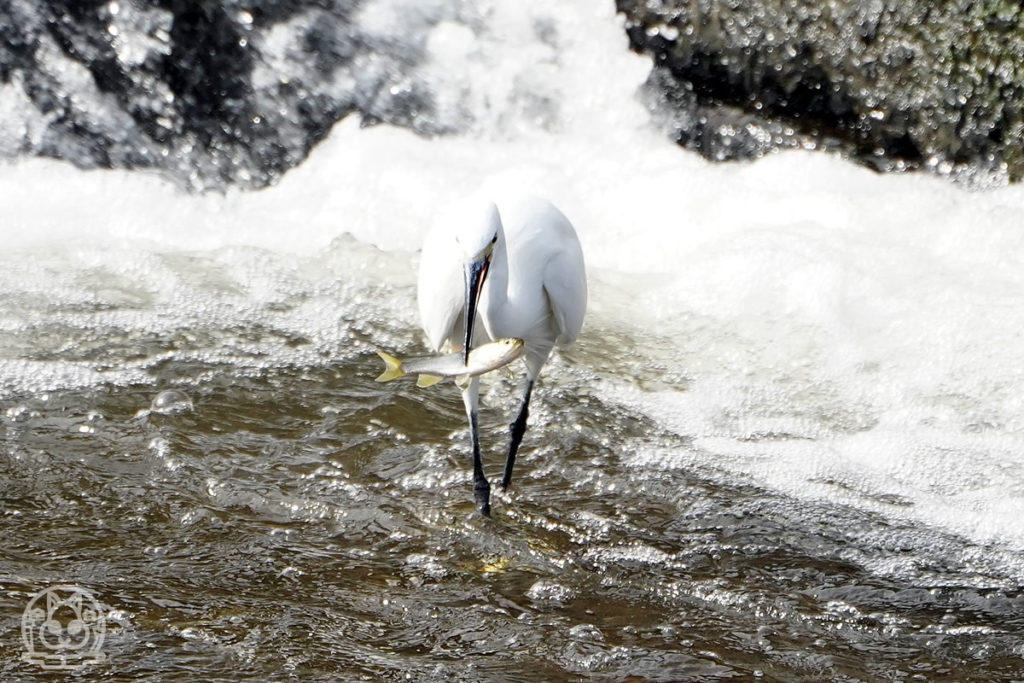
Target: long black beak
(476, 273)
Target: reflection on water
(304, 521)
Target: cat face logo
(63, 628)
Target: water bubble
(171, 402)
(586, 632)
(290, 572)
(550, 591)
(18, 413)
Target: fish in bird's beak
(476, 273)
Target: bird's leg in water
(518, 428)
(481, 489)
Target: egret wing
(541, 240)
(565, 282)
(440, 292)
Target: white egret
(519, 269)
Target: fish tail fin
(428, 380)
(392, 367)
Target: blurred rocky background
(213, 93)
(238, 91)
(893, 84)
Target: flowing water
(789, 444)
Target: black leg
(518, 429)
(481, 489)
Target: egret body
(517, 269)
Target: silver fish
(432, 369)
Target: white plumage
(518, 270)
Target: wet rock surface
(233, 92)
(894, 85)
(237, 92)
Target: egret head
(476, 234)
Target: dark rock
(214, 93)
(239, 91)
(893, 84)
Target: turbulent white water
(801, 324)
